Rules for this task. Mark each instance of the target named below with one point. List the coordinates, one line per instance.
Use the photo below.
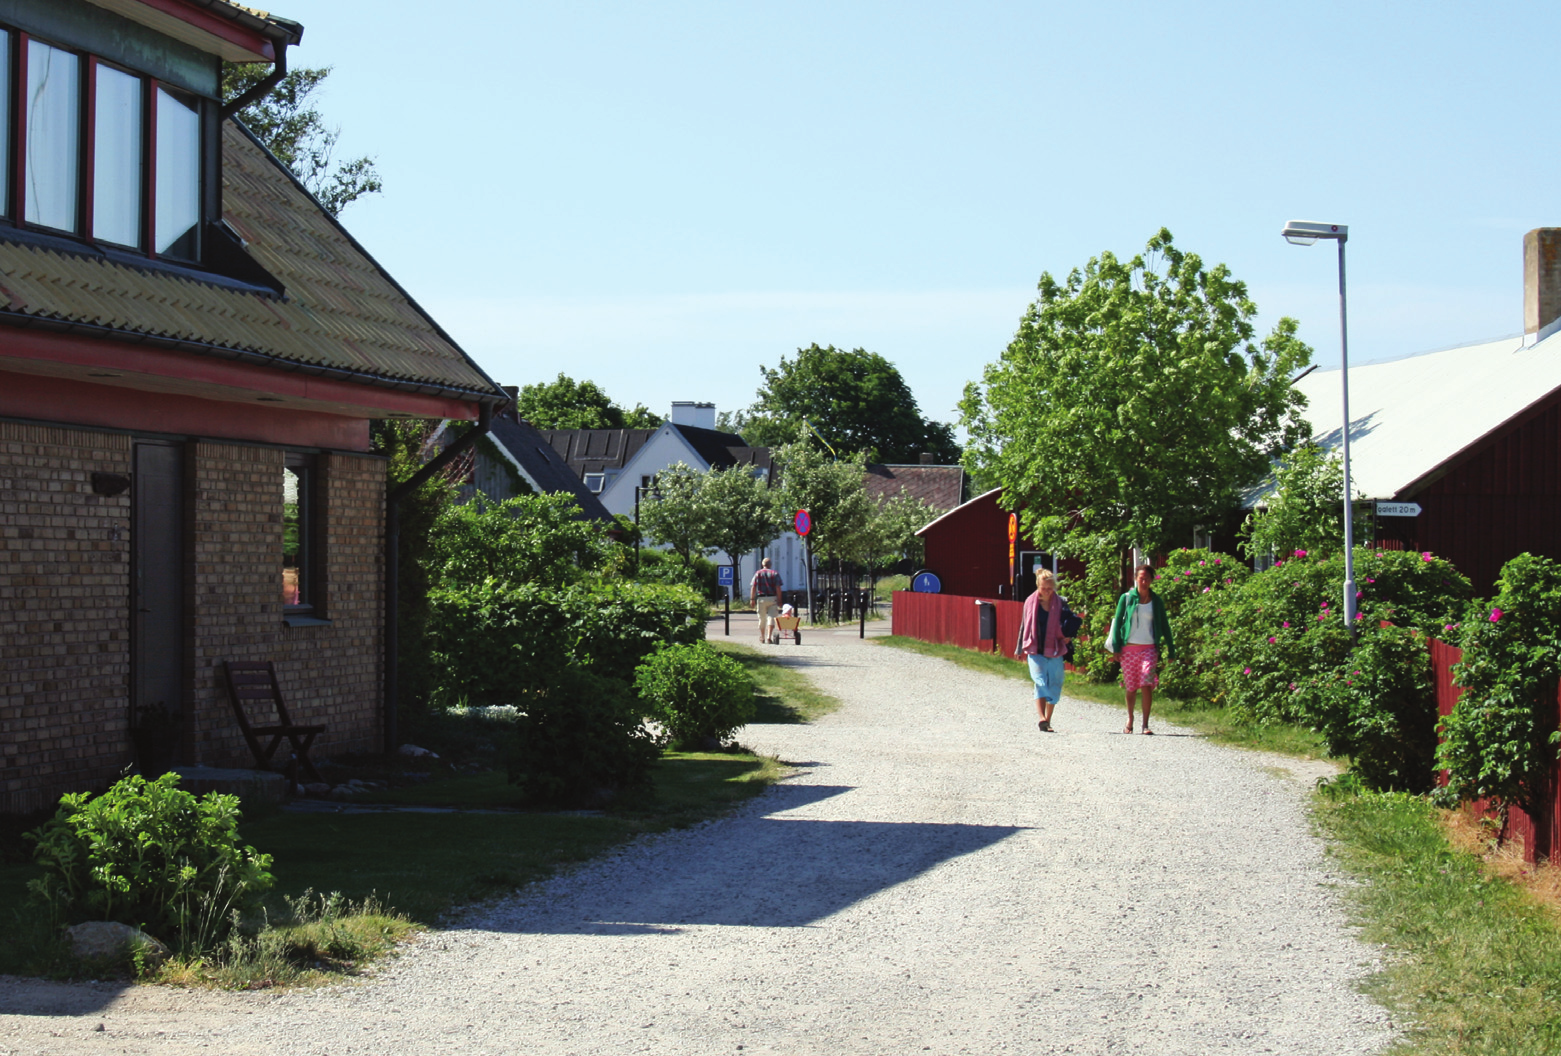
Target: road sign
(725, 575)
(1398, 509)
(802, 522)
(926, 583)
(1013, 529)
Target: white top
(1141, 630)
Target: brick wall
(65, 650)
(64, 614)
(329, 674)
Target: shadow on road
(769, 871)
(41, 997)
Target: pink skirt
(1139, 663)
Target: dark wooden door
(157, 601)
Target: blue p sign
(725, 575)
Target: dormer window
(109, 155)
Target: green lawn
(1474, 962)
(781, 694)
(1217, 724)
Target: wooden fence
(1540, 832)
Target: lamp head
(1304, 233)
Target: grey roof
(1409, 416)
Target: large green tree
(834, 494)
(569, 404)
(1135, 402)
(288, 122)
(675, 513)
(857, 401)
(1304, 510)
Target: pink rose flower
(1272, 640)
(1246, 670)
(1495, 615)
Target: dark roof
(941, 487)
(339, 314)
(721, 450)
(528, 446)
(596, 450)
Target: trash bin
(987, 614)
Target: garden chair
(252, 683)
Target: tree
(856, 400)
(287, 122)
(1304, 510)
(832, 492)
(1133, 404)
(675, 513)
(890, 535)
(741, 510)
(569, 404)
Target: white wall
(665, 447)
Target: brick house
(191, 352)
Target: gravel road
(938, 877)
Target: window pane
(116, 165)
(5, 109)
(53, 135)
(178, 175)
(295, 532)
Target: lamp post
(1301, 233)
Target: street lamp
(1301, 233)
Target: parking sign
(725, 575)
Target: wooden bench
(252, 683)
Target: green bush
(580, 743)
(666, 568)
(1193, 585)
(149, 854)
(695, 692)
(1498, 742)
(494, 644)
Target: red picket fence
(1541, 834)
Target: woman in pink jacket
(1046, 630)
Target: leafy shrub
(536, 539)
(695, 692)
(495, 644)
(1192, 584)
(149, 854)
(665, 567)
(580, 743)
(1498, 742)
(1379, 709)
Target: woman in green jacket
(1137, 631)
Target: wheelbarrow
(787, 627)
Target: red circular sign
(803, 523)
(1013, 527)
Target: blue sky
(663, 196)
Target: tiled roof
(941, 487)
(340, 310)
(596, 450)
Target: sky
(662, 197)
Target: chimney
(700, 415)
(514, 394)
(1541, 281)
(926, 458)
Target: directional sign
(1398, 509)
(926, 583)
(725, 576)
(802, 522)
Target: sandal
(1148, 730)
(1129, 728)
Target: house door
(157, 602)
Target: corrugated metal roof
(341, 310)
(1409, 416)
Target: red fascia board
(216, 25)
(152, 363)
(67, 402)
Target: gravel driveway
(939, 877)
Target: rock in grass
(109, 940)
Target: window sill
(303, 619)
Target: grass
(782, 694)
(1220, 725)
(1476, 965)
